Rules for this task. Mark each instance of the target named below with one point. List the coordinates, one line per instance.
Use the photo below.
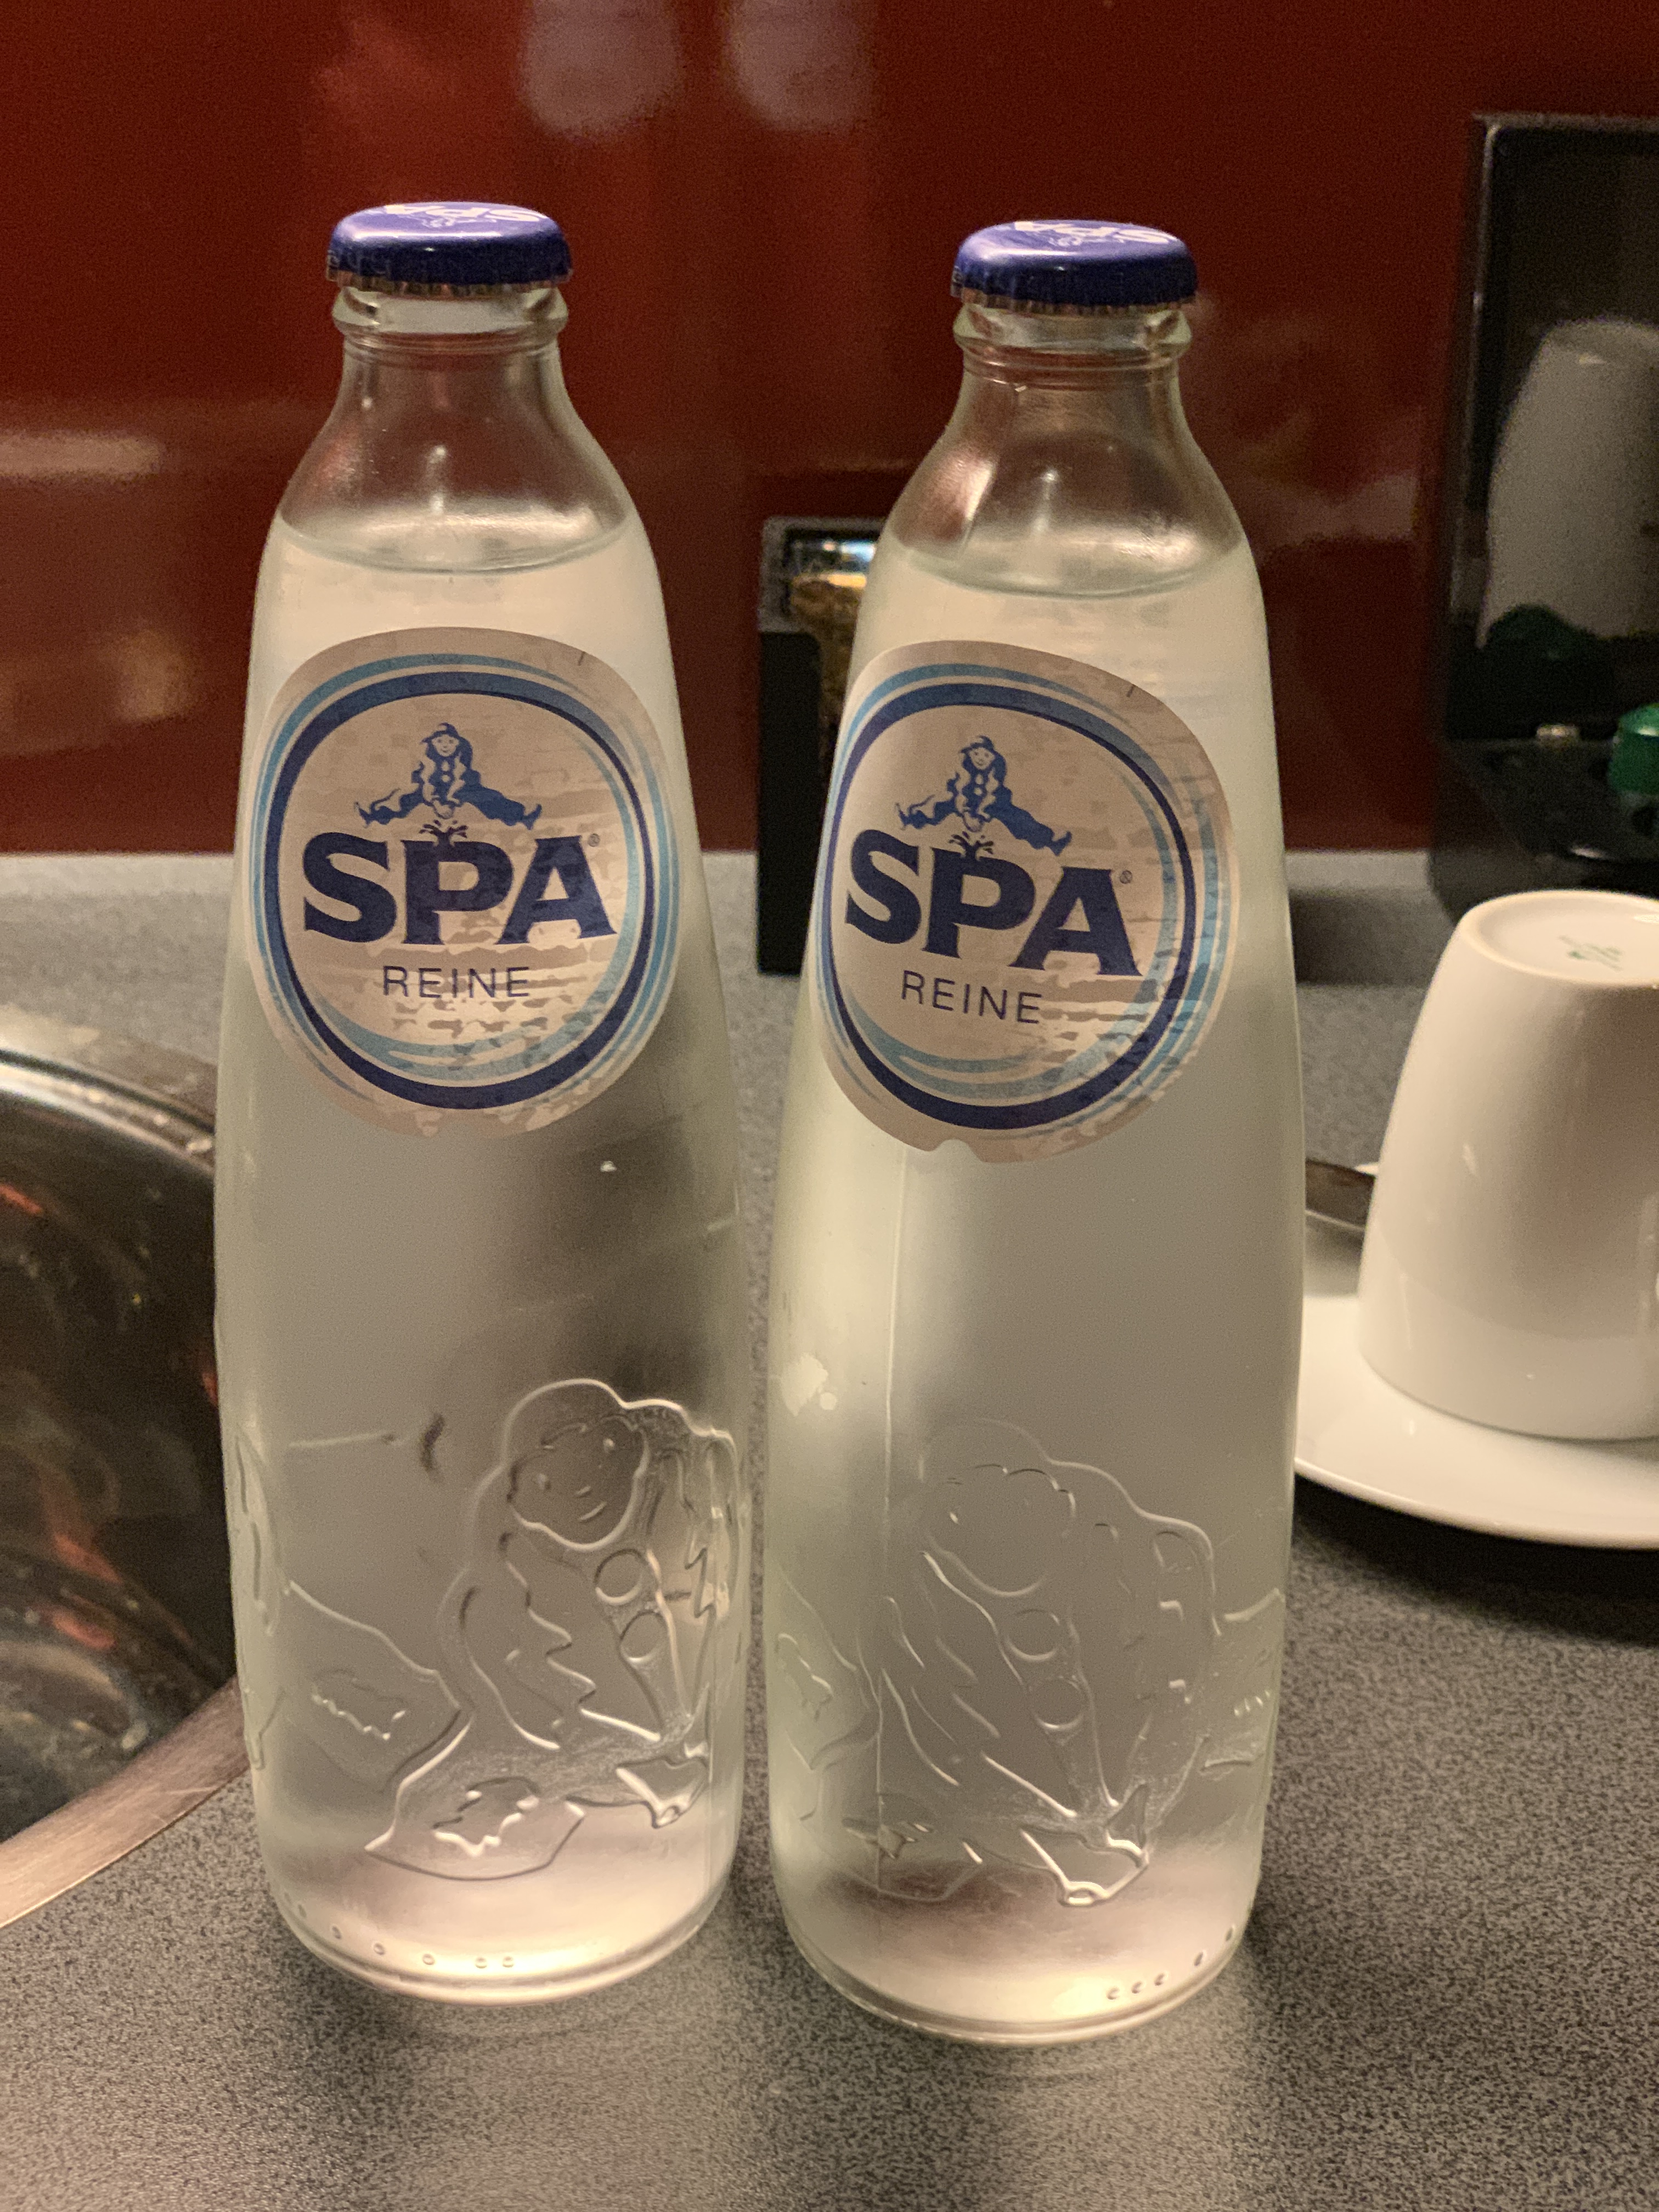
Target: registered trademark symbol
(594, 838)
(1124, 877)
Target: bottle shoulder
(1063, 507)
(1191, 630)
(520, 488)
(484, 539)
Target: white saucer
(1357, 1433)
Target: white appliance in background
(1572, 518)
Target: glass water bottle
(1036, 1285)
(481, 1302)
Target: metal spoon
(1341, 1196)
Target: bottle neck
(1109, 373)
(452, 443)
(1067, 466)
(408, 348)
(424, 369)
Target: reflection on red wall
(763, 198)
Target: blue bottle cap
(1074, 266)
(445, 247)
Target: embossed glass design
(483, 1341)
(1031, 1399)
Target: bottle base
(1134, 2007)
(483, 1980)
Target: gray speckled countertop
(1447, 1996)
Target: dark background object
(811, 583)
(1562, 226)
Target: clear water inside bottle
(1108, 1333)
(387, 1302)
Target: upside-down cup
(1511, 1264)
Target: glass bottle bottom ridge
(515, 1957)
(1111, 1995)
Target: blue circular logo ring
(1032, 1114)
(591, 1047)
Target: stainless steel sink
(118, 1710)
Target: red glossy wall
(763, 197)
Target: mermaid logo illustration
(445, 780)
(977, 795)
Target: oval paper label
(1024, 907)
(460, 876)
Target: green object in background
(1633, 770)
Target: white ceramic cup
(1511, 1264)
